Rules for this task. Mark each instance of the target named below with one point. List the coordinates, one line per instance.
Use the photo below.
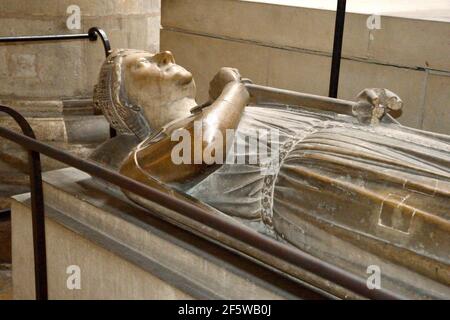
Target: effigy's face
(144, 69)
(155, 80)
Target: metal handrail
(37, 207)
(243, 234)
(93, 32)
(92, 35)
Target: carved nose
(164, 57)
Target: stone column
(51, 83)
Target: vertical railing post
(36, 189)
(337, 48)
(37, 208)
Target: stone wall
(51, 83)
(68, 69)
(290, 47)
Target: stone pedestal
(123, 252)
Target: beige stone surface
(70, 68)
(312, 29)
(298, 71)
(259, 22)
(291, 48)
(413, 43)
(123, 252)
(437, 103)
(285, 69)
(435, 10)
(103, 274)
(50, 129)
(204, 56)
(293, 70)
(36, 108)
(51, 8)
(37, 77)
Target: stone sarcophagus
(340, 180)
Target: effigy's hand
(221, 79)
(374, 103)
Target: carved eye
(164, 61)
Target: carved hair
(110, 97)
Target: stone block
(125, 280)
(204, 56)
(69, 69)
(47, 129)
(436, 116)
(298, 71)
(278, 25)
(413, 43)
(294, 52)
(311, 27)
(34, 108)
(57, 8)
(123, 252)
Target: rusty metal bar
(250, 237)
(37, 207)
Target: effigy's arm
(183, 150)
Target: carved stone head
(139, 92)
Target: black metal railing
(37, 201)
(37, 207)
(92, 35)
(337, 48)
(241, 233)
